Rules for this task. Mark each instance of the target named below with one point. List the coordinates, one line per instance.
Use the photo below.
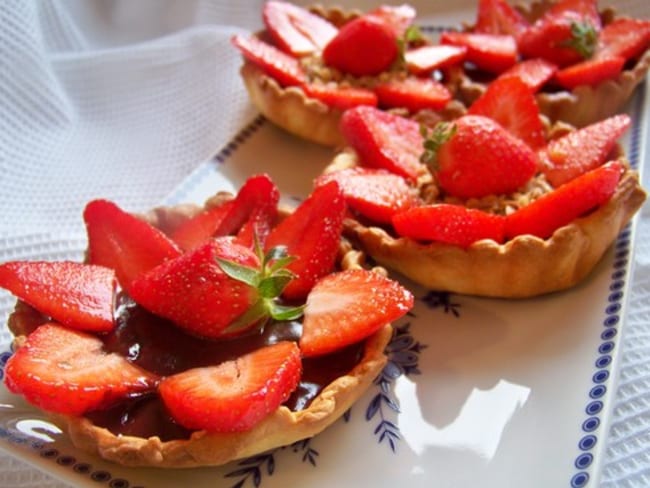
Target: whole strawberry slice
(590, 72)
(348, 306)
(200, 227)
(193, 290)
(311, 235)
(374, 193)
(399, 17)
(235, 395)
(449, 224)
(424, 59)
(66, 371)
(340, 97)
(384, 140)
(625, 37)
(499, 17)
(512, 104)
(581, 150)
(533, 72)
(296, 30)
(567, 33)
(566, 203)
(124, 242)
(413, 94)
(280, 66)
(491, 52)
(363, 46)
(77, 295)
(475, 156)
(253, 212)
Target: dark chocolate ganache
(157, 345)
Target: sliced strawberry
(296, 30)
(399, 18)
(475, 157)
(533, 72)
(490, 52)
(384, 140)
(124, 242)
(311, 235)
(625, 37)
(581, 150)
(413, 94)
(253, 211)
(340, 97)
(277, 64)
(348, 306)
(199, 228)
(511, 103)
(194, 292)
(499, 17)
(236, 395)
(374, 193)
(590, 72)
(363, 46)
(424, 59)
(67, 371)
(566, 203)
(449, 224)
(77, 295)
(567, 33)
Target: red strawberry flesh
(77, 295)
(566, 203)
(348, 306)
(124, 242)
(235, 395)
(296, 30)
(65, 371)
(384, 140)
(449, 224)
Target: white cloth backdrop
(122, 99)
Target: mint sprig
(269, 280)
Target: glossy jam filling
(157, 345)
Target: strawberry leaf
(269, 280)
(433, 139)
(584, 39)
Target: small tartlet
(584, 104)
(525, 266)
(280, 428)
(309, 118)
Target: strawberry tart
(491, 204)
(196, 336)
(308, 66)
(582, 62)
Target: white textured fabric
(122, 99)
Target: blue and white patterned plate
(477, 392)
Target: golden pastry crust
(203, 448)
(522, 267)
(581, 106)
(291, 109)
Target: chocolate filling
(157, 345)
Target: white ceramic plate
(478, 392)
